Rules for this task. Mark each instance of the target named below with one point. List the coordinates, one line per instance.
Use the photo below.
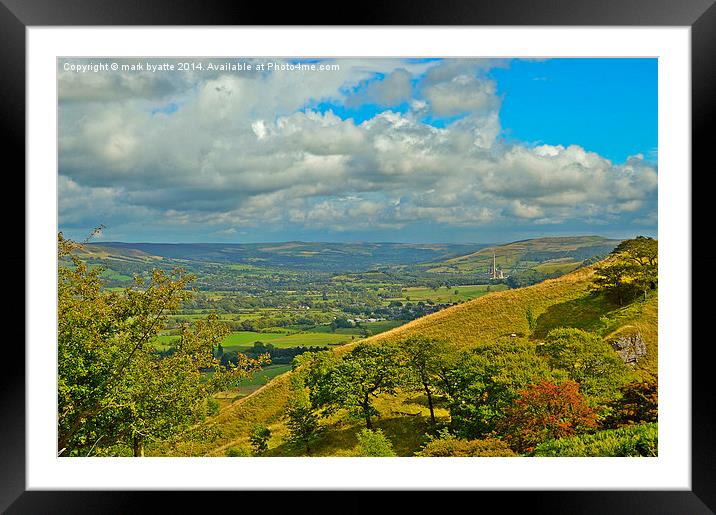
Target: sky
(371, 149)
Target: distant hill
(545, 255)
(564, 301)
(296, 255)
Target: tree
(355, 380)
(531, 319)
(259, 437)
(115, 391)
(614, 280)
(641, 250)
(638, 404)
(476, 397)
(303, 426)
(480, 385)
(588, 360)
(303, 423)
(633, 269)
(212, 407)
(546, 411)
(423, 358)
(525, 278)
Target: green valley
(463, 350)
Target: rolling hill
(462, 263)
(542, 254)
(564, 301)
(296, 255)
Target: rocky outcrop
(629, 345)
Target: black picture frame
(699, 15)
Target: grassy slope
(564, 301)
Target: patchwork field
(249, 386)
(242, 340)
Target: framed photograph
(418, 252)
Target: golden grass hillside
(562, 302)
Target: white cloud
(242, 151)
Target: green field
(260, 378)
(250, 385)
(242, 340)
(380, 326)
(443, 294)
(311, 339)
(247, 338)
(371, 327)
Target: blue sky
(379, 150)
(608, 106)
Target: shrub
(639, 403)
(259, 438)
(236, 452)
(374, 443)
(588, 360)
(531, 319)
(212, 407)
(455, 447)
(303, 426)
(546, 411)
(636, 440)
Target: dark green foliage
(259, 438)
(639, 403)
(212, 407)
(479, 386)
(354, 380)
(475, 396)
(304, 427)
(531, 319)
(635, 440)
(277, 355)
(114, 390)
(525, 278)
(588, 360)
(424, 360)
